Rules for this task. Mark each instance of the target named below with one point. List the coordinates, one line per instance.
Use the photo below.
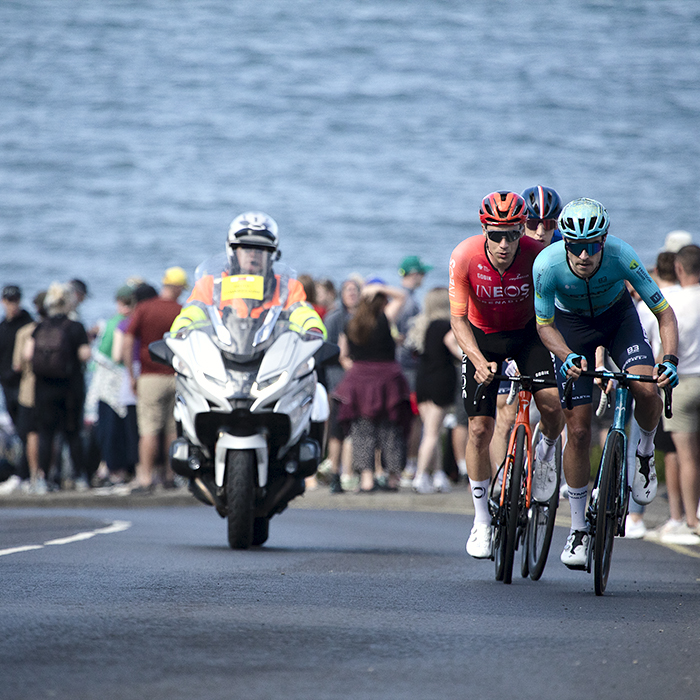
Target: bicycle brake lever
(478, 395)
(568, 389)
(603, 404)
(512, 393)
(668, 393)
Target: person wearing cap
(411, 271)
(155, 386)
(15, 318)
(116, 428)
(675, 240)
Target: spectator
(15, 318)
(326, 296)
(307, 281)
(665, 275)
(335, 322)
(374, 397)
(431, 337)
(412, 272)
(116, 429)
(26, 415)
(57, 349)
(684, 426)
(155, 386)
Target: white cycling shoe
(575, 554)
(645, 483)
(479, 542)
(544, 479)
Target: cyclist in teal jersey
(581, 302)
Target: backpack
(54, 356)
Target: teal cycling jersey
(557, 286)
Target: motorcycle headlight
(263, 387)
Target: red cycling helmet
(503, 209)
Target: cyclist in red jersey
(493, 318)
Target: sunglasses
(510, 236)
(578, 248)
(549, 224)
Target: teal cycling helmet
(583, 218)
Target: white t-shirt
(685, 302)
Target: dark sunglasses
(510, 236)
(548, 224)
(577, 248)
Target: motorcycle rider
(252, 246)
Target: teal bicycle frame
(617, 427)
(606, 505)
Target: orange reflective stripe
(202, 291)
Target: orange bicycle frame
(522, 418)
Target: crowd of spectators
(106, 419)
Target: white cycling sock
(480, 496)
(645, 448)
(545, 448)
(577, 503)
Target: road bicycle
(607, 510)
(516, 517)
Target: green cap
(125, 293)
(412, 263)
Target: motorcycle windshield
(244, 310)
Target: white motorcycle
(250, 412)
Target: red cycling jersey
(492, 301)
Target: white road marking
(15, 550)
(116, 526)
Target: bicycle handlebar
(518, 379)
(621, 377)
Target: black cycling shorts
(524, 346)
(618, 329)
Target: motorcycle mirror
(161, 353)
(328, 352)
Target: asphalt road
(150, 602)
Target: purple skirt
(374, 390)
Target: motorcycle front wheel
(240, 497)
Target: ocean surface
(133, 131)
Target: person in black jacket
(15, 318)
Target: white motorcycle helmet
(252, 229)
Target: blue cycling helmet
(583, 218)
(542, 202)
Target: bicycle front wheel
(606, 510)
(540, 525)
(512, 502)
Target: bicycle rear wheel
(540, 525)
(512, 503)
(606, 510)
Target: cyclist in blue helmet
(581, 302)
